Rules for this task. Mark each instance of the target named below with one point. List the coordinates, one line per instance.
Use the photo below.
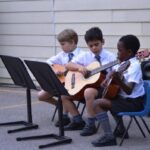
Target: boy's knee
(96, 103)
(42, 95)
(90, 94)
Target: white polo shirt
(62, 57)
(133, 74)
(88, 57)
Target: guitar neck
(101, 68)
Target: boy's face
(123, 53)
(67, 46)
(95, 46)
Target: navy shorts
(120, 104)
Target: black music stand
(21, 77)
(50, 83)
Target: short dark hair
(68, 35)
(93, 34)
(131, 42)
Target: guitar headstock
(143, 54)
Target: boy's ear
(130, 52)
(72, 42)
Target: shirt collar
(131, 59)
(74, 52)
(101, 54)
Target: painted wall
(28, 28)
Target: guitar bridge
(73, 81)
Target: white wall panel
(131, 16)
(28, 28)
(26, 17)
(26, 6)
(15, 40)
(85, 16)
(101, 4)
(107, 28)
(146, 29)
(28, 51)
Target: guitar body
(112, 91)
(111, 88)
(81, 83)
(57, 67)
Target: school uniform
(62, 58)
(88, 57)
(135, 101)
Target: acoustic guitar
(111, 89)
(76, 83)
(61, 68)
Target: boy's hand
(117, 77)
(59, 73)
(83, 70)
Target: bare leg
(48, 97)
(101, 107)
(77, 121)
(90, 128)
(89, 95)
(69, 106)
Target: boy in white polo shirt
(131, 95)
(68, 40)
(95, 41)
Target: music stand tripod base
(28, 126)
(61, 139)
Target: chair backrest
(147, 99)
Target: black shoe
(66, 121)
(75, 126)
(104, 141)
(88, 130)
(119, 134)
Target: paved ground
(13, 107)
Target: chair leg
(126, 131)
(78, 105)
(118, 123)
(139, 127)
(83, 109)
(56, 108)
(98, 125)
(145, 124)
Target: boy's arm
(126, 87)
(76, 67)
(55, 59)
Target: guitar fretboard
(101, 68)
